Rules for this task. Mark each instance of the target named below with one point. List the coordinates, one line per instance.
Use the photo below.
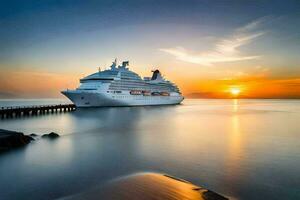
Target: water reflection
(235, 105)
(230, 146)
(59, 150)
(235, 150)
(112, 118)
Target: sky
(210, 49)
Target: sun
(235, 91)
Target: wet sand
(148, 186)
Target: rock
(51, 135)
(33, 135)
(12, 139)
(210, 195)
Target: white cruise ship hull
(96, 99)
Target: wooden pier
(11, 112)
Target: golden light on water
(235, 105)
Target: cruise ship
(118, 86)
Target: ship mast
(114, 64)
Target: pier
(19, 111)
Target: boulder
(12, 139)
(51, 135)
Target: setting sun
(235, 91)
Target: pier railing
(19, 111)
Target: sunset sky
(211, 49)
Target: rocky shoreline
(12, 139)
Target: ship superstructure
(119, 86)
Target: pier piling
(11, 112)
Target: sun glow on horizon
(235, 91)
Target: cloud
(226, 49)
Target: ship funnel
(125, 63)
(156, 75)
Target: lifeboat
(135, 92)
(155, 93)
(146, 93)
(164, 93)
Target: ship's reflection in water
(246, 149)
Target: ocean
(243, 149)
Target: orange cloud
(31, 84)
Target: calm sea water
(246, 149)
